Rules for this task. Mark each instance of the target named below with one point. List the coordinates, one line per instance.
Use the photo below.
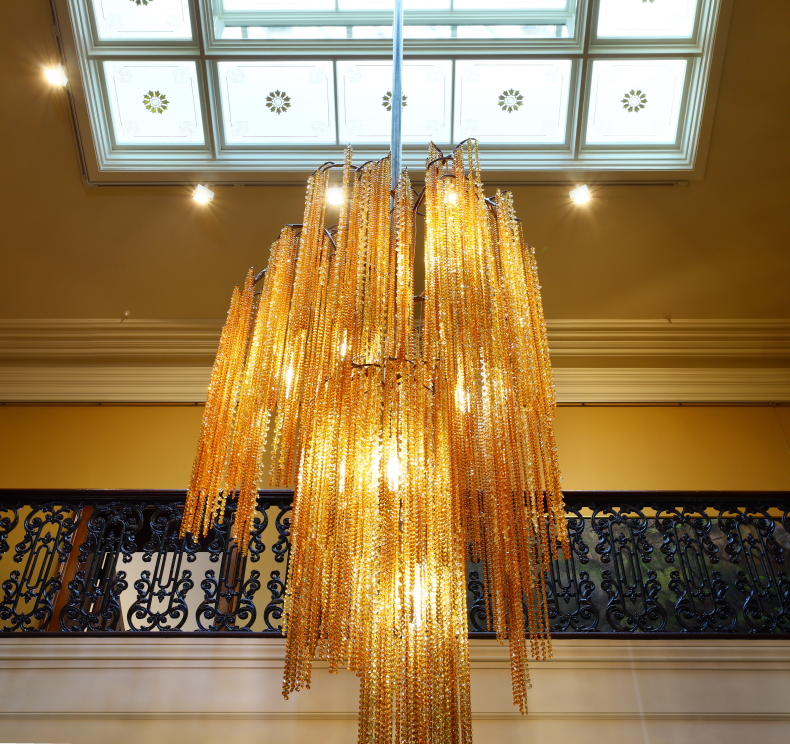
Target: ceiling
(718, 248)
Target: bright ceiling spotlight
(581, 194)
(335, 195)
(56, 75)
(202, 194)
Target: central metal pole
(397, 91)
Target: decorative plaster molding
(732, 654)
(672, 385)
(200, 689)
(100, 716)
(169, 361)
(183, 384)
(724, 339)
(195, 341)
(104, 384)
(108, 340)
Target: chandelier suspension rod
(397, 92)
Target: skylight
(235, 86)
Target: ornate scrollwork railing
(645, 563)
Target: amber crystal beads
(412, 446)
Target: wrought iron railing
(647, 563)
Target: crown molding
(194, 342)
(672, 385)
(182, 384)
(677, 339)
(595, 361)
(195, 652)
(107, 384)
(108, 340)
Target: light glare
(581, 194)
(335, 195)
(56, 75)
(202, 194)
(393, 471)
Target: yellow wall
(677, 447)
(97, 446)
(600, 447)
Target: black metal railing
(647, 563)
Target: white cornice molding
(183, 384)
(194, 652)
(672, 385)
(670, 338)
(104, 384)
(104, 717)
(730, 689)
(53, 341)
(597, 361)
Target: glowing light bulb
(202, 194)
(452, 197)
(56, 75)
(461, 397)
(581, 194)
(393, 471)
(335, 195)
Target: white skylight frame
(219, 160)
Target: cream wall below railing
(225, 689)
(600, 447)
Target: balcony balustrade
(650, 564)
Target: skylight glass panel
(126, 19)
(279, 4)
(372, 32)
(296, 32)
(514, 4)
(427, 32)
(511, 32)
(662, 19)
(521, 101)
(635, 101)
(390, 5)
(277, 102)
(365, 101)
(154, 102)
(539, 84)
(409, 32)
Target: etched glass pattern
(159, 19)
(362, 87)
(635, 101)
(271, 102)
(154, 102)
(664, 19)
(544, 86)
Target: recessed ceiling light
(581, 194)
(335, 195)
(56, 75)
(202, 194)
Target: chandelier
(417, 432)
